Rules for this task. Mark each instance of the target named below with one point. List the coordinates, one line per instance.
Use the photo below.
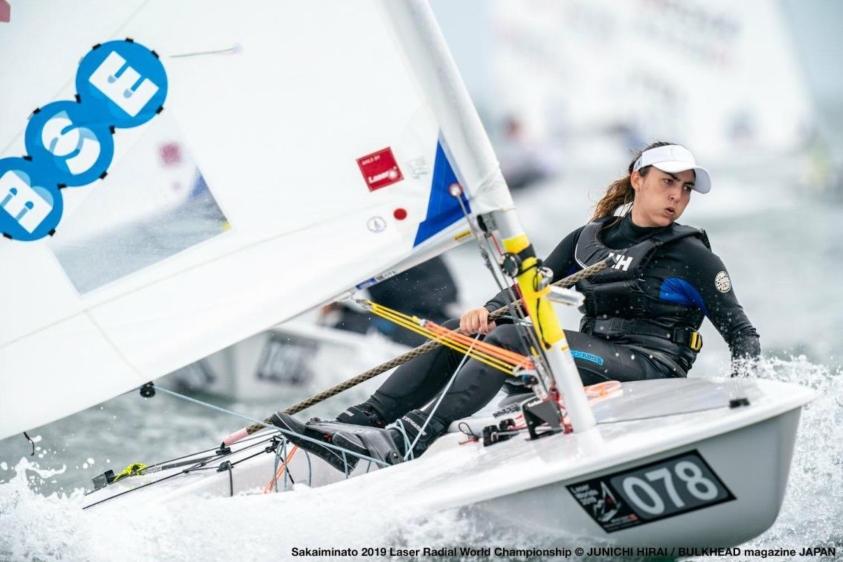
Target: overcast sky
(816, 27)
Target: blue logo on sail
(120, 84)
(29, 207)
(443, 209)
(69, 144)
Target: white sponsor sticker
(376, 224)
(722, 282)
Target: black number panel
(651, 492)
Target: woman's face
(660, 197)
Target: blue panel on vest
(587, 356)
(442, 209)
(679, 291)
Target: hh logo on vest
(621, 261)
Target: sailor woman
(641, 316)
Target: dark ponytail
(620, 193)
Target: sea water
(783, 251)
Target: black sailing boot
(362, 414)
(339, 444)
(406, 430)
(386, 445)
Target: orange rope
(511, 357)
(416, 325)
(268, 488)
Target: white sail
(720, 76)
(324, 138)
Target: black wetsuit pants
(416, 383)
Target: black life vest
(616, 305)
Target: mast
(466, 141)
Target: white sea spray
(248, 528)
(813, 505)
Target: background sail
(721, 76)
(321, 139)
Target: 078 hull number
(648, 493)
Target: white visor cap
(674, 158)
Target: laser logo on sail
(380, 169)
(119, 84)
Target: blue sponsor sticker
(69, 144)
(123, 82)
(596, 359)
(30, 208)
(120, 84)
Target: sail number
(648, 499)
(654, 491)
(671, 486)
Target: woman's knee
(505, 335)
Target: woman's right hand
(476, 321)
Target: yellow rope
(414, 324)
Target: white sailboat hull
(754, 460)
(294, 357)
(744, 452)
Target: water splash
(29, 519)
(813, 505)
(259, 528)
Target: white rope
(408, 454)
(269, 426)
